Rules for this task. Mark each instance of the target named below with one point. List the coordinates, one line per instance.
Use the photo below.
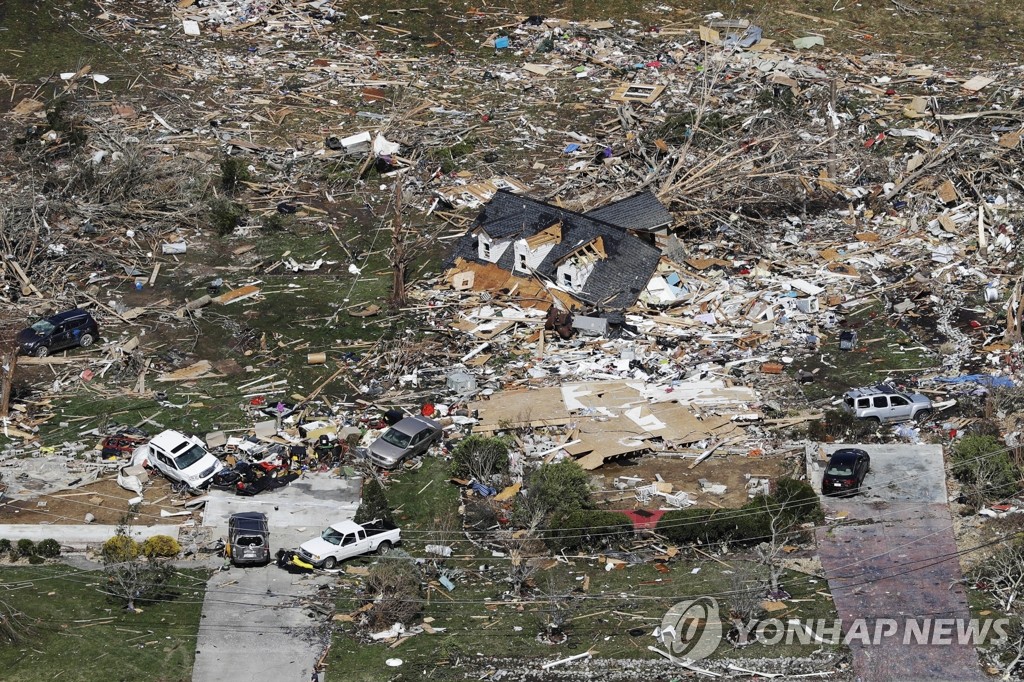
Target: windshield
(189, 457)
(396, 438)
(840, 471)
(42, 327)
(332, 536)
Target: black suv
(63, 330)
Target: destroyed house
(594, 261)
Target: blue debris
(501, 43)
(570, 148)
(983, 379)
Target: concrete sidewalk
(78, 536)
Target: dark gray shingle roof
(615, 282)
(642, 212)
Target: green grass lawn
(881, 349)
(480, 619)
(77, 633)
(614, 618)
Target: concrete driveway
(896, 560)
(254, 626)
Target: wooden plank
(235, 295)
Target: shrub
(793, 502)
(394, 584)
(225, 215)
(48, 548)
(696, 526)
(591, 528)
(160, 546)
(374, 504)
(233, 172)
(560, 489)
(985, 468)
(26, 547)
(5, 545)
(798, 501)
(13, 556)
(35, 559)
(120, 548)
(480, 458)
(481, 514)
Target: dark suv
(64, 330)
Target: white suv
(883, 403)
(181, 458)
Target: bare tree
(130, 576)
(1001, 576)
(520, 546)
(406, 244)
(748, 591)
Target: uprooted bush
(394, 584)
(986, 470)
(592, 529)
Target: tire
(329, 563)
(384, 547)
(41, 352)
(922, 416)
(85, 340)
(876, 420)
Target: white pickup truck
(346, 539)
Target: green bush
(13, 556)
(35, 559)
(225, 215)
(233, 172)
(374, 504)
(48, 548)
(560, 489)
(480, 457)
(985, 468)
(591, 528)
(798, 501)
(5, 545)
(160, 546)
(26, 547)
(793, 503)
(120, 548)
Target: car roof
(170, 440)
(413, 425)
(846, 455)
(877, 389)
(249, 521)
(72, 314)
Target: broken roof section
(596, 261)
(641, 212)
